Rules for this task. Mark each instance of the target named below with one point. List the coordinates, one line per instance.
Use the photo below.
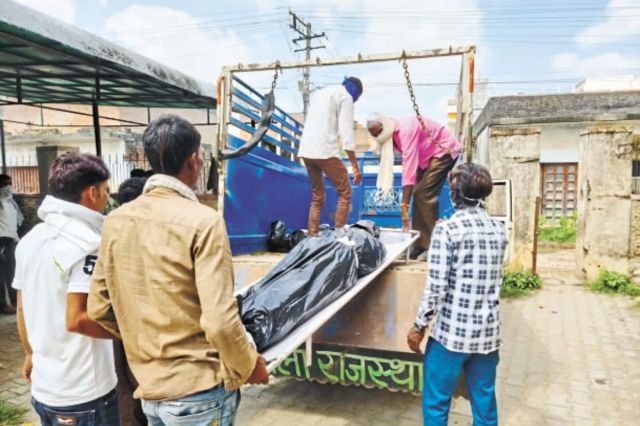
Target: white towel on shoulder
(384, 148)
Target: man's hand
(414, 338)
(259, 376)
(357, 176)
(406, 222)
(27, 367)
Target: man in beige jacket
(164, 283)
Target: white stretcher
(396, 242)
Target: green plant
(10, 414)
(565, 232)
(518, 283)
(614, 282)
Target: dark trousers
(102, 411)
(339, 177)
(425, 198)
(7, 270)
(131, 413)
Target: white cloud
(620, 23)
(328, 5)
(564, 61)
(65, 10)
(431, 30)
(376, 26)
(198, 50)
(603, 64)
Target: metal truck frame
(364, 343)
(238, 101)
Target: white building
(614, 83)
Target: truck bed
(395, 242)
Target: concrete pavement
(570, 357)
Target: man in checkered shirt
(462, 296)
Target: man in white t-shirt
(330, 117)
(68, 356)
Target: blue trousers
(103, 411)
(215, 406)
(442, 368)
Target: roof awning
(44, 60)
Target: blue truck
(364, 343)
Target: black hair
(168, 142)
(4, 180)
(130, 189)
(470, 183)
(137, 173)
(71, 173)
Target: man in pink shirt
(429, 151)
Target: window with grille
(635, 177)
(559, 189)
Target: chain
(412, 95)
(275, 76)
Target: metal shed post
(96, 126)
(2, 148)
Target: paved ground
(13, 388)
(570, 357)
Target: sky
(523, 46)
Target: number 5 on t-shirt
(89, 264)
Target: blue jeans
(103, 411)
(213, 406)
(442, 368)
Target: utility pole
(306, 35)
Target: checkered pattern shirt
(463, 285)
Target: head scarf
(353, 86)
(384, 148)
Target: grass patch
(565, 232)
(611, 282)
(519, 283)
(11, 414)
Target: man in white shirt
(68, 356)
(10, 219)
(330, 115)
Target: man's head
(130, 189)
(81, 179)
(470, 184)
(5, 186)
(172, 146)
(353, 86)
(380, 127)
(374, 127)
(5, 180)
(137, 173)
